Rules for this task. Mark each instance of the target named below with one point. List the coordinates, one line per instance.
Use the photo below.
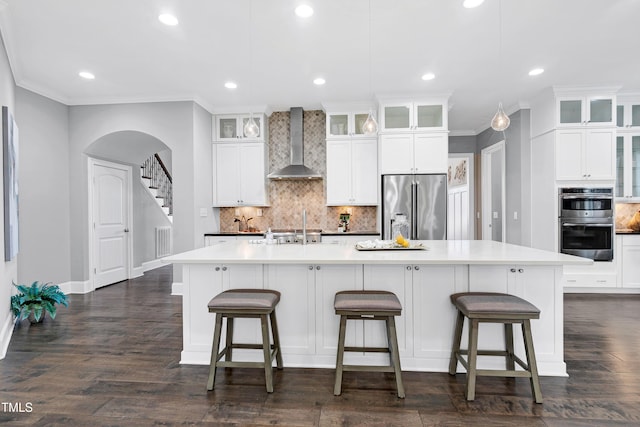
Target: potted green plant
(35, 301)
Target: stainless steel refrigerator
(422, 198)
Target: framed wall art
(10, 174)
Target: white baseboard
(176, 288)
(76, 287)
(150, 265)
(5, 334)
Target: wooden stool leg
(531, 360)
(457, 337)
(214, 352)
(229, 339)
(472, 359)
(508, 345)
(395, 354)
(337, 389)
(266, 349)
(276, 339)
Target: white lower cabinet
(630, 259)
(536, 284)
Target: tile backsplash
(624, 212)
(289, 197)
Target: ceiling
(480, 56)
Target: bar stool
(487, 307)
(368, 305)
(245, 303)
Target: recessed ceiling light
(304, 11)
(86, 75)
(470, 4)
(230, 85)
(168, 19)
(428, 76)
(319, 81)
(536, 71)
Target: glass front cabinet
(628, 113)
(230, 127)
(406, 116)
(628, 166)
(346, 124)
(586, 110)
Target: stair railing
(154, 169)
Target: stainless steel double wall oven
(586, 222)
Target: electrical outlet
(258, 212)
(495, 215)
(237, 212)
(515, 215)
(203, 212)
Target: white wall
(146, 217)
(8, 270)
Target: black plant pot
(32, 318)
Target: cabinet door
(620, 168)
(364, 172)
(296, 310)
(227, 166)
(600, 110)
(396, 154)
(569, 154)
(431, 153)
(429, 116)
(338, 125)
(631, 261)
(242, 122)
(226, 128)
(330, 279)
(599, 152)
(634, 165)
(339, 173)
(397, 116)
(399, 280)
(252, 174)
(571, 111)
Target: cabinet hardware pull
(317, 267)
(224, 268)
(513, 270)
(217, 268)
(408, 268)
(520, 270)
(311, 267)
(417, 267)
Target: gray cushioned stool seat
(368, 305)
(245, 303)
(489, 307)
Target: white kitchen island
(308, 276)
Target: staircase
(157, 180)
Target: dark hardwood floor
(111, 359)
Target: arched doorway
(123, 218)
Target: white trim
(91, 163)
(76, 287)
(177, 288)
(5, 334)
(485, 177)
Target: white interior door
(493, 192)
(110, 215)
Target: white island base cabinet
(308, 325)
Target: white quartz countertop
(479, 252)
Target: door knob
(126, 230)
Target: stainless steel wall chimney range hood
(297, 169)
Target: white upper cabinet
(343, 124)
(628, 112)
(239, 177)
(230, 127)
(585, 154)
(594, 110)
(352, 172)
(415, 115)
(414, 153)
(628, 166)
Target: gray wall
(462, 144)
(172, 123)
(8, 270)
(44, 189)
(518, 172)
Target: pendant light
(251, 128)
(500, 121)
(370, 126)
